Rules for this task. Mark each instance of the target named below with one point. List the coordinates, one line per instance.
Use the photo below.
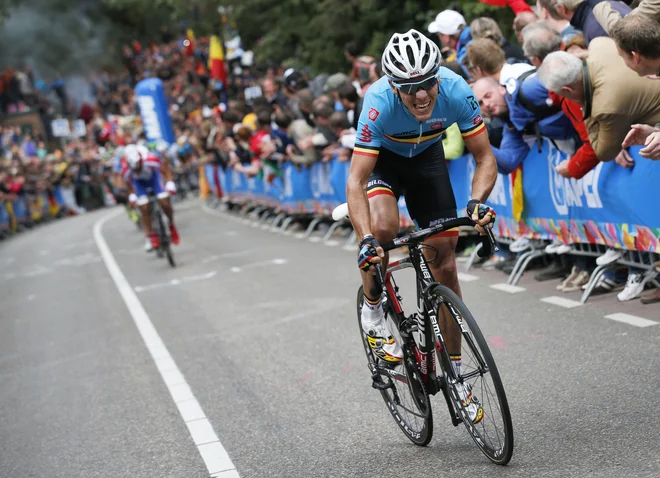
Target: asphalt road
(263, 328)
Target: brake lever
(491, 237)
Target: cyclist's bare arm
(356, 193)
(485, 174)
(166, 169)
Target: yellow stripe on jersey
(415, 139)
(474, 131)
(367, 152)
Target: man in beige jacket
(612, 96)
(608, 16)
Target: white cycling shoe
(470, 402)
(380, 340)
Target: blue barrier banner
(21, 210)
(59, 198)
(609, 205)
(4, 217)
(297, 196)
(154, 111)
(322, 191)
(45, 205)
(338, 179)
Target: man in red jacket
(539, 40)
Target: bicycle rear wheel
(163, 237)
(401, 387)
(170, 255)
(493, 434)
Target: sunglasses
(413, 88)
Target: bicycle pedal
(380, 385)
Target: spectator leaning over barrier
(637, 40)
(608, 16)
(305, 100)
(273, 95)
(540, 39)
(486, 58)
(580, 14)
(332, 87)
(521, 21)
(612, 96)
(547, 11)
(352, 103)
(454, 34)
(523, 105)
(341, 128)
(485, 27)
(577, 46)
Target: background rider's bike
(161, 229)
(426, 367)
(134, 216)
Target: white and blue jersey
(148, 178)
(386, 123)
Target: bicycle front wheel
(401, 387)
(493, 434)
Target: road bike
(426, 367)
(160, 227)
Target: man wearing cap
(454, 34)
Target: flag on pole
(217, 60)
(189, 42)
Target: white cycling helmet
(133, 155)
(409, 55)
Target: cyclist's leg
(165, 202)
(162, 195)
(140, 188)
(383, 191)
(384, 226)
(430, 200)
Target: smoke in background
(56, 41)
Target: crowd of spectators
(567, 79)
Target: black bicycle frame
(426, 313)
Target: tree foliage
(301, 33)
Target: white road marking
(631, 319)
(38, 270)
(231, 233)
(208, 445)
(463, 277)
(511, 289)
(561, 301)
(259, 264)
(332, 243)
(299, 235)
(227, 254)
(183, 280)
(315, 239)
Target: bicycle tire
(424, 436)
(503, 456)
(170, 255)
(163, 238)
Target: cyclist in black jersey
(398, 151)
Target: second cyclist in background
(142, 170)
